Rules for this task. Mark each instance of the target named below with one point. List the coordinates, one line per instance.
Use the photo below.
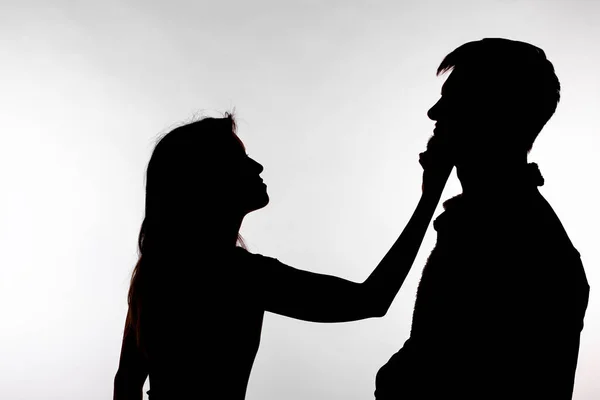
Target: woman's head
(201, 172)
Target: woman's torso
(206, 333)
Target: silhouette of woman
(197, 296)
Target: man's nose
(433, 112)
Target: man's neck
(490, 178)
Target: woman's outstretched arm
(323, 298)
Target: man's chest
(473, 266)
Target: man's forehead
(458, 80)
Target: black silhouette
(196, 301)
(502, 298)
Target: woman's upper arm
(305, 295)
(133, 366)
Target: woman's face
(250, 192)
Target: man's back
(499, 308)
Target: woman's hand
(437, 165)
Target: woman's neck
(205, 232)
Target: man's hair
(521, 77)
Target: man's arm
(527, 325)
(568, 312)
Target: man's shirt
(500, 305)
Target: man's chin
(441, 141)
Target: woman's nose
(257, 165)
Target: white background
(331, 97)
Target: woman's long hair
(186, 172)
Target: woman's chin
(265, 200)
(259, 203)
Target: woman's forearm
(385, 281)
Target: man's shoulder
(549, 226)
(527, 219)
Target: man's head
(497, 99)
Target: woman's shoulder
(253, 270)
(245, 256)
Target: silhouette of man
(502, 298)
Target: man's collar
(457, 205)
